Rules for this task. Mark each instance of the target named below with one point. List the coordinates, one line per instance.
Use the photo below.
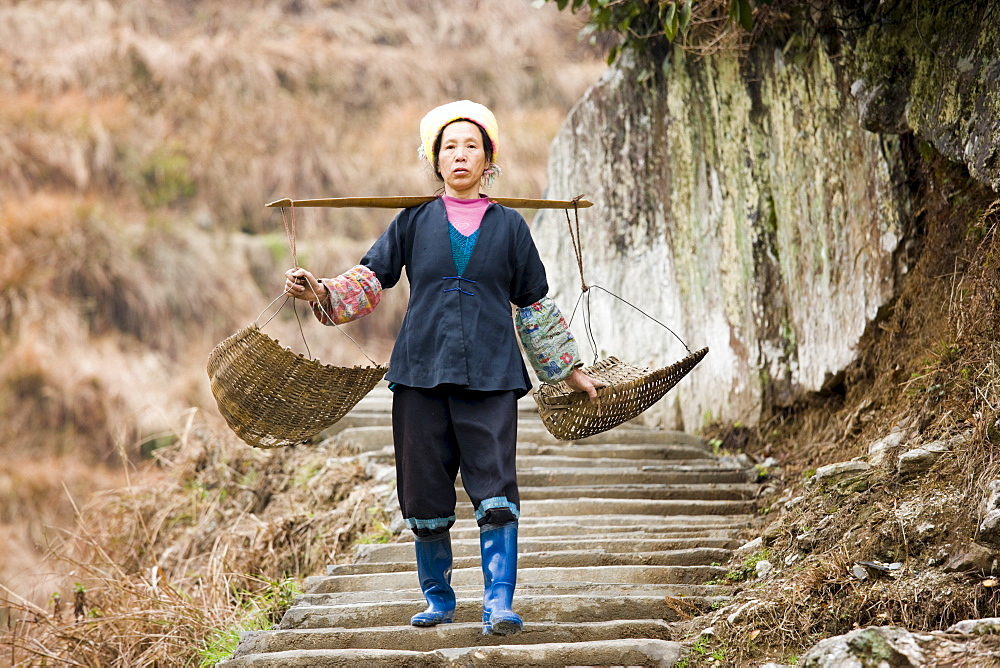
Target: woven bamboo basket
(272, 397)
(570, 415)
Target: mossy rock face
(740, 202)
(761, 203)
(934, 68)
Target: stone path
(619, 534)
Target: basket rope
(577, 241)
(271, 396)
(629, 390)
(290, 233)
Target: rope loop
(290, 234)
(576, 239)
(574, 236)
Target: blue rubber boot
(434, 570)
(499, 550)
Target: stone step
(376, 439)
(530, 455)
(619, 435)
(365, 438)
(559, 507)
(533, 559)
(649, 525)
(584, 607)
(631, 652)
(382, 435)
(706, 463)
(533, 477)
(381, 403)
(655, 451)
(395, 552)
(459, 634)
(320, 584)
(357, 420)
(707, 492)
(616, 540)
(524, 590)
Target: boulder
(972, 558)
(749, 548)
(764, 568)
(871, 646)
(832, 473)
(878, 451)
(920, 460)
(989, 509)
(989, 529)
(976, 627)
(992, 499)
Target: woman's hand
(301, 284)
(581, 382)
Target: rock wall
(935, 70)
(758, 203)
(746, 209)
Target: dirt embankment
(875, 492)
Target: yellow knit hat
(437, 118)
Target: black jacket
(458, 330)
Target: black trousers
(439, 431)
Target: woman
(456, 370)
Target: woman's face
(462, 159)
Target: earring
(491, 174)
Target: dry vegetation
(139, 141)
(210, 538)
(927, 367)
(214, 110)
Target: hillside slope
(139, 140)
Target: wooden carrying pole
(406, 202)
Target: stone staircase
(618, 535)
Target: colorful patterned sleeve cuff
(547, 341)
(353, 294)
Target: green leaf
(561, 4)
(670, 22)
(734, 10)
(613, 53)
(684, 16)
(746, 15)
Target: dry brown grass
(93, 315)
(204, 543)
(216, 111)
(184, 120)
(105, 328)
